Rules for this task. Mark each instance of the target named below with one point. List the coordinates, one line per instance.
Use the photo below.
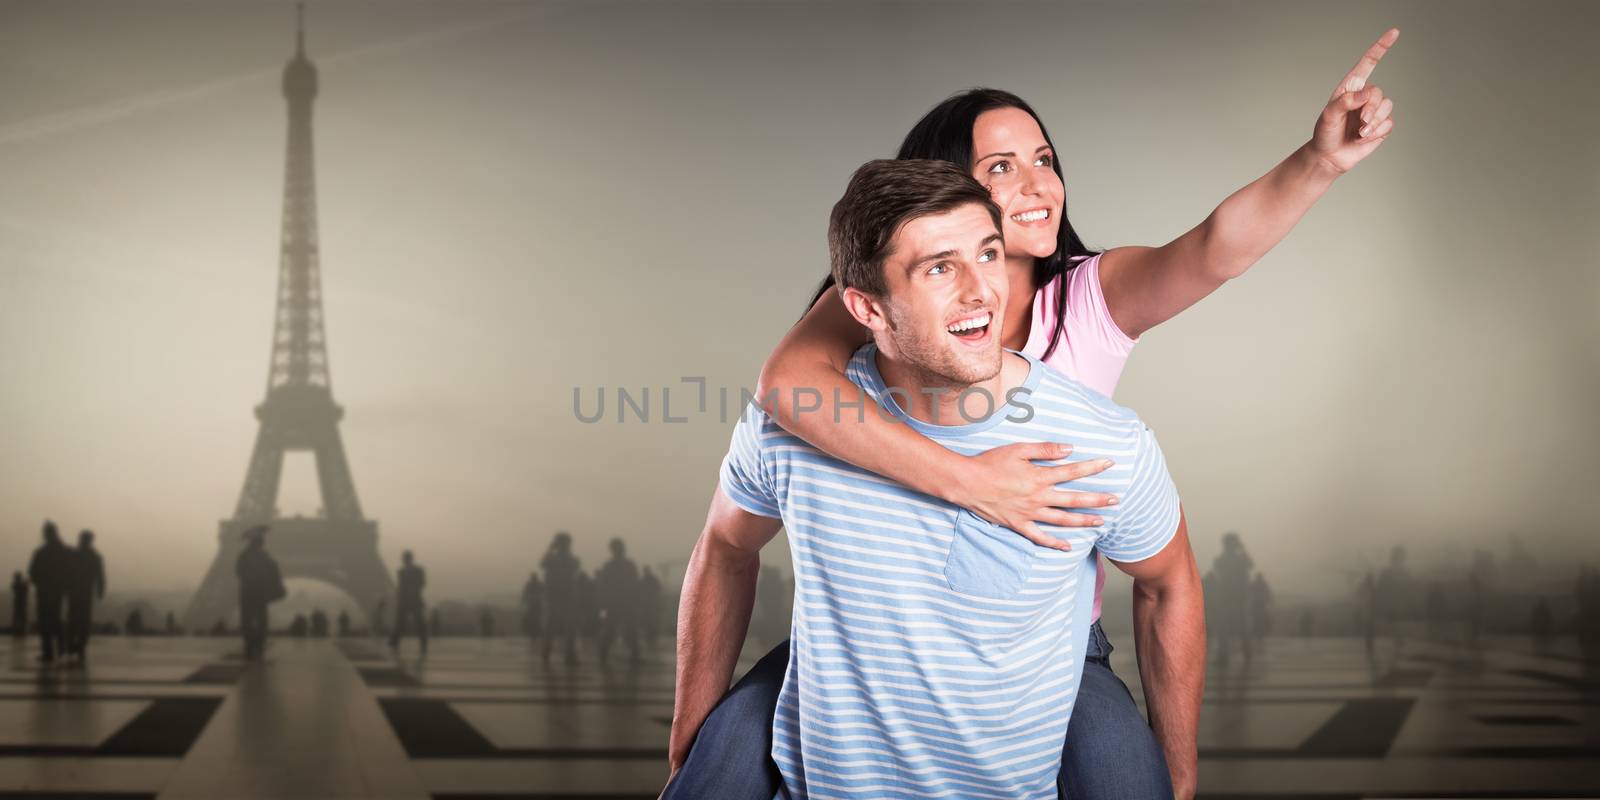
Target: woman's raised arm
(1146, 286)
(803, 386)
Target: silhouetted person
(533, 607)
(1232, 568)
(649, 607)
(1260, 609)
(135, 624)
(486, 623)
(617, 596)
(408, 608)
(298, 626)
(51, 572)
(260, 583)
(561, 570)
(19, 605)
(436, 622)
(86, 585)
(172, 624)
(319, 624)
(588, 609)
(1395, 596)
(1308, 623)
(344, 624)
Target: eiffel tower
(338, 546)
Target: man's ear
(867, 310)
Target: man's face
(946, 296)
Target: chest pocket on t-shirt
(987, 560)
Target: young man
(51, 571)
(409, 582)
(935, 654)
(86, 586)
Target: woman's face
(1012, 159)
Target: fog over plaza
(519, 200)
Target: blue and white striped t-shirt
(934, 654)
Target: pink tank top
(1092, 349)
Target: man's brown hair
(882, 197)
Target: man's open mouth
(973, 327)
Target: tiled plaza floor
(183, 718)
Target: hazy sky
(520, 199)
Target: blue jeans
(1110, 752)
(732, 754)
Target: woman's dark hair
(945, 133)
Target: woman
(1080, 312)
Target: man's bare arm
(714, 614)
(1169, 632)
